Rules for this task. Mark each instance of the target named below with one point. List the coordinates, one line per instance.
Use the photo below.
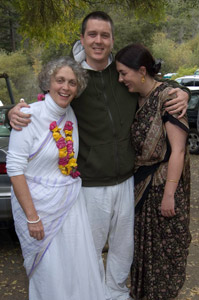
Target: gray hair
(53, 66)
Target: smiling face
(63, 86)
(131, 78)
(98, 42)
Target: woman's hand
(36, 230)
(168, 206)
(178, 104)
(17, 118)
(22, 192)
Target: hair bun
(157, 66)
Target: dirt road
(14, 283)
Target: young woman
(48, 206)
(162, 181)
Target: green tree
(9, 39)
(183, 71)
(182, 21)
(132, 30)
(172, 54)
(59, 21)
(193, 45)
(22, 78)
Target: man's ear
(112, 44)
(82, 39)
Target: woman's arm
(24, 197)
(177, 138)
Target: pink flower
(75, 173)
(69, 143)
(63, 161)
(70, 149)
(61, 143)
(67, 162)
(53, 125)
(40, 97)
(69, 146)
(68, 125)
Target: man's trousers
(111, 215)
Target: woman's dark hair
(135, 56)
(97, 15)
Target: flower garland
(40, 97)
(67, 162)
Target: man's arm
(18, 119)
(180, 103)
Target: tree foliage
(132, 31)
(59, 20)
(49, 27)
(9, 39)
(183, 71)
(22, 77)
(49, 20)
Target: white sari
(33, 152)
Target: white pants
(111, 215)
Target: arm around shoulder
(179, 102)
(16, 118)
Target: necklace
(67, 162)
(142, 98)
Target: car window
(194, 101)
(197, 82)
(4, 126)
(187, 82)
(178, 80)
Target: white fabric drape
(53, 194)
(62, 266)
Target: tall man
(105, 112)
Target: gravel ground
(14, 283)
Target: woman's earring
(143, 79)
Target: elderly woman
(162, 182)
(48, 206)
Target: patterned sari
(161, 244)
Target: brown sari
(161, 244)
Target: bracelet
(33, 222)
(172, 180)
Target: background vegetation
(32, 32)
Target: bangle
(33, 222)
(172, 180)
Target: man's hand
(17, 118)
(179, 104)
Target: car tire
(193, 141)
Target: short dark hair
(136, 55)
(97, 15)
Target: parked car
(189, 81)
(169, 75)
(5, 185)
(192, 113)
(5, 204)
